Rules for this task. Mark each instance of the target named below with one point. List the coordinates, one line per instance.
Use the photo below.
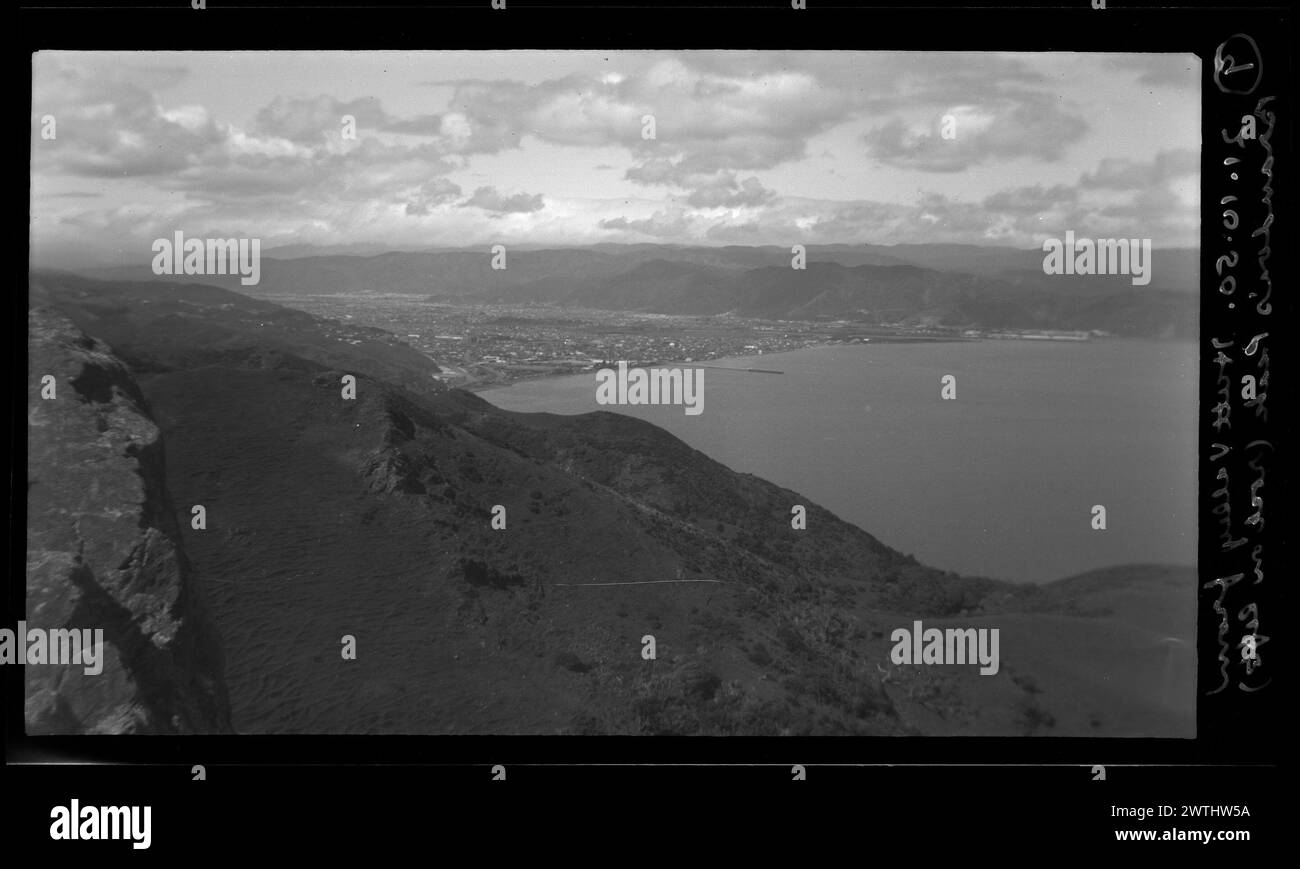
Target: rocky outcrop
(104, 552)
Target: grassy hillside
(371, 518)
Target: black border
(1232, 730)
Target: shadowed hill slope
(371, 518)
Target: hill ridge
(371, 518)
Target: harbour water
(1000, 481)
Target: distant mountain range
(955, 285)
(371, 518)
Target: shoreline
(480, 387)
(571, 398)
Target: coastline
(483, 386)
(846, 421)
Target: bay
(999, 482)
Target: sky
(474, 148)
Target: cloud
(725, 192)
(706, 120)
(1121, 173)
(727, 125)
(430, 195)
(1154, 199)
(1030, 124)
(662, 224)
(1161, 70)
(110, 127)
(488, 199)
(308, 120)
(1031, 200)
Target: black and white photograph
(613, 392)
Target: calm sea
(1000, 481)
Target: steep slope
(104, 552)
(371, 518)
